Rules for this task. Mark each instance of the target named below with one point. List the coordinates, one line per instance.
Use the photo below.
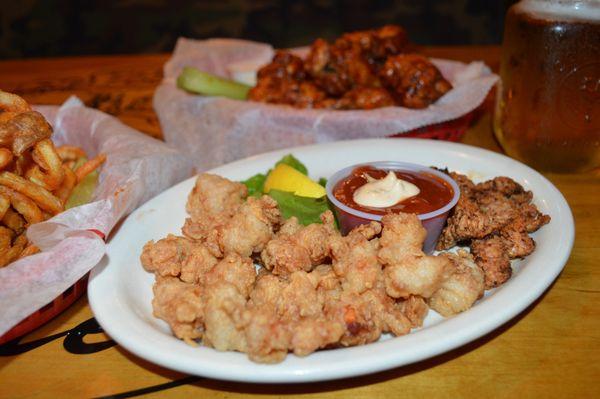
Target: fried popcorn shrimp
(354, 258)
(358, 315)
(213, 201)
(415, 309)
(178, 257)
(407, 270)
(292, 310)
(248, 230)
(460, 291)
(297, 247)
(181, 305)
(234, 270)
(224, 312)
(214, 195)
(267, 339)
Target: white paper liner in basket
(216, 130)
(137, 168)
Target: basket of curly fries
(37, 178)
(61, 192)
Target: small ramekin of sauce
(437, 195)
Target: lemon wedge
(286, 178)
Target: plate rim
(272, 374)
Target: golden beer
(548, 107)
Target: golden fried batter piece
(234, 270)
(290, 310)
(413, 80)
(460, 291)
(178, 257)
(297, 247)
(494, 218)
(181, 305)
(415, 309)
(283, 81)
(354, 258)
(224, 323)
(212, 201)
(366, 316)
(408, 271)
(248, 230)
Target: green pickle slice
(84, 191)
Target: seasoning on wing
(360, 70)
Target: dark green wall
(39, 28)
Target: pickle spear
(84, 191)
(196, 81)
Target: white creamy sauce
(382, 193)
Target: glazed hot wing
(359, 70)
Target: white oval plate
(120, 290)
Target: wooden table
(552, 349)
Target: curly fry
(7, 115)
(48, 172)
(70, 152)
(22, 204)
(14, 221)
(6, 156)
(89, 167)
(13, 252)
(23, 131)
(69, 182)
(13, 103)
(4, 205)
(29, 250)
(42, 197)
(6, 236)
(23, 163)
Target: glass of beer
(548, 106)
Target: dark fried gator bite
(494, 218)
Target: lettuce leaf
(255, 184)
(292, 161)
(307, 210)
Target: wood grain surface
(552, 349)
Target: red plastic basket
(452, 130)
(49, 311)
